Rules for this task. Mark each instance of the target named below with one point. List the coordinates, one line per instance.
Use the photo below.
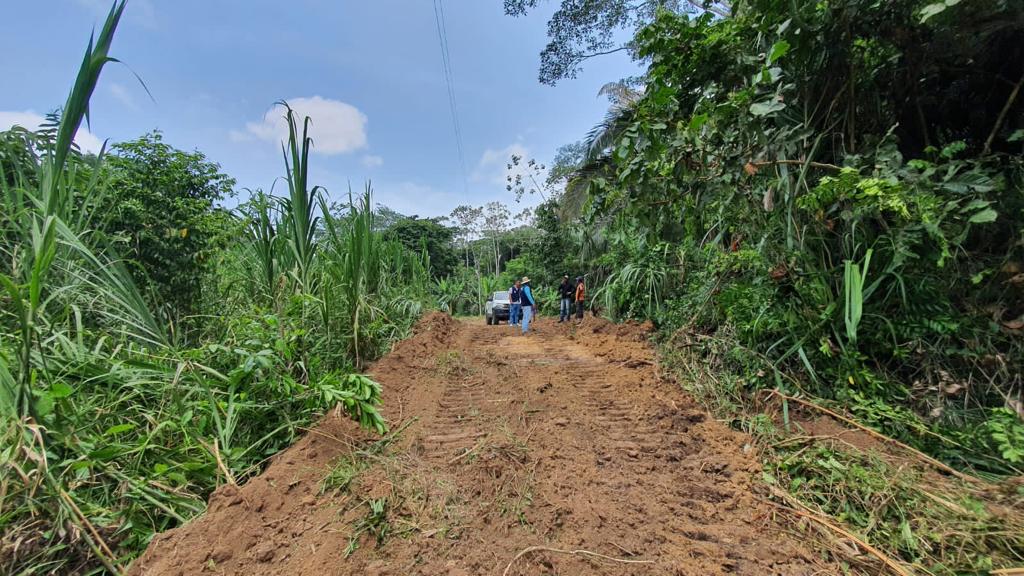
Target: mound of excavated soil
(565, 439)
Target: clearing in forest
(502, 446)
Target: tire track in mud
(565, 438)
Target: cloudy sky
(369, 73)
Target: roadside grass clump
(375, 523)
(451, 364)
(515, 496)
(341, 475)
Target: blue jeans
(513, 313)
(565, 310)
(527, 314)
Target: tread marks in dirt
(565, 438)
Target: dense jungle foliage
(825, 199)
(814, 200)
(835, 189)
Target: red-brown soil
(565, 438)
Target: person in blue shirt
(529, 304)
(515, 295)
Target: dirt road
(564, 439)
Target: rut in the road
(565, 438)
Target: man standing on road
(566, 291)
(581, 296)
(529, 304)
(515, 298)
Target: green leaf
(936, 8)
(44, 404)
(105, 453)
(698, 121)
(1017, 136)
(60, 390)
(779, 49)
(931, 10)
(765, 108)
(985, 216)
(119, 428)
(975, 204)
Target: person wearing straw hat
(529, 304)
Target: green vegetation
(375, 523)
(821, 200)
(807, 193)
(142, 363)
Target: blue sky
(369, 72)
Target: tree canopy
(583, 29)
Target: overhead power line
(449, 79)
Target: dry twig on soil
(526, 551)
(892, 564)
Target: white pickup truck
(497, 308)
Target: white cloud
(493, 165)
(30, 120)
(122, 95)
(336, 127)
(372, 161)
(414, 198)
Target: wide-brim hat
(525, 280)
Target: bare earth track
(565, 439)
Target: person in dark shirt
(515, 298)
(566, 294)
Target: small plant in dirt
(452, 363)
(515, 496)
(375, 523)
(342, 474)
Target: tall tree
(496, 224)
(427, 233)
(467, 221)
(582, 29)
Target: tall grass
(111, 433)
(368, 280)
(300, 218)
